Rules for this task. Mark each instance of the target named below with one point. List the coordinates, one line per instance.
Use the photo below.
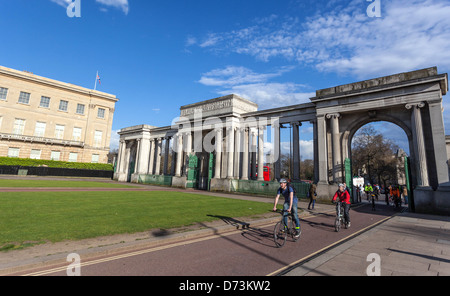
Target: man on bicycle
(344, 197)
(290, 204)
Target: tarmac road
(247, 252)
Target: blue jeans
(293, 212)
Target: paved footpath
(407, 244)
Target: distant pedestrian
(405, 194)
(312, 195)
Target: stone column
(151, 163)
(237, 152)
(166, 156)
(122, 148)
(158, 156)
(337, 163)
(438, 133)
(138, 156)
(230, 152)
(143, 156)
(277, 151)
(316, 151)
(188, 148)
(179, 155)
(419, 144)
(217, 167)
(322, 149)
(261, 153)
(296, 150)
(253, 154)
(245, 133)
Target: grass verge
(36, 217)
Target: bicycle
(339, 217)
(281, 230)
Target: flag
(98, 78)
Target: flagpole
(95, 86)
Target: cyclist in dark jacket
(290, 204)
(344, 197)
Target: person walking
(312, 196)
(405, 194)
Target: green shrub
(54, 164)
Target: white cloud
(257, 86)
(119, 4)
(411, 34)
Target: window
(39, 131)
(80, 109)
(13, 152)
(24, 98)
(55, 155)
(73, 157)
(19, 126)
(63, 105)
(101, 113)
(35, 154)
(76, 135)
(3, 93)
(45, 102)
(98, 138)
(95, 158)
(59, 131)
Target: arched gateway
(218, 144)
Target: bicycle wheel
(337, 224)
(292, 229)
(279, 234)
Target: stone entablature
(222, 106)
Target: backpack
(293, 188)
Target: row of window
(24, 98)
(40, 127)
(55, 155)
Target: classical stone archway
(411, 100)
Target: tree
(374, 156)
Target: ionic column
(122, 148)
(230, 151)
(277, 151)
(166, 156)
(322, 158)
(152, 156)
(261, 153)
(419, 147)
(245, 134)
(336, 147)
(179, 155)
(316, 151)
(253, 154)
(138, 156)
(237, 152)
(217, 167)
(158, 156)
(296, 150)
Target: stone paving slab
(408, 245)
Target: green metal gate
(349, 177)
(408, 184)
(192, 174)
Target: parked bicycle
(281, 230)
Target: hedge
(8, 161)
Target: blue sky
(156, 56)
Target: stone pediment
(230, 105)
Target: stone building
(42, 118)
(218, 144)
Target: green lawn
(58, 183)
(54, 216)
